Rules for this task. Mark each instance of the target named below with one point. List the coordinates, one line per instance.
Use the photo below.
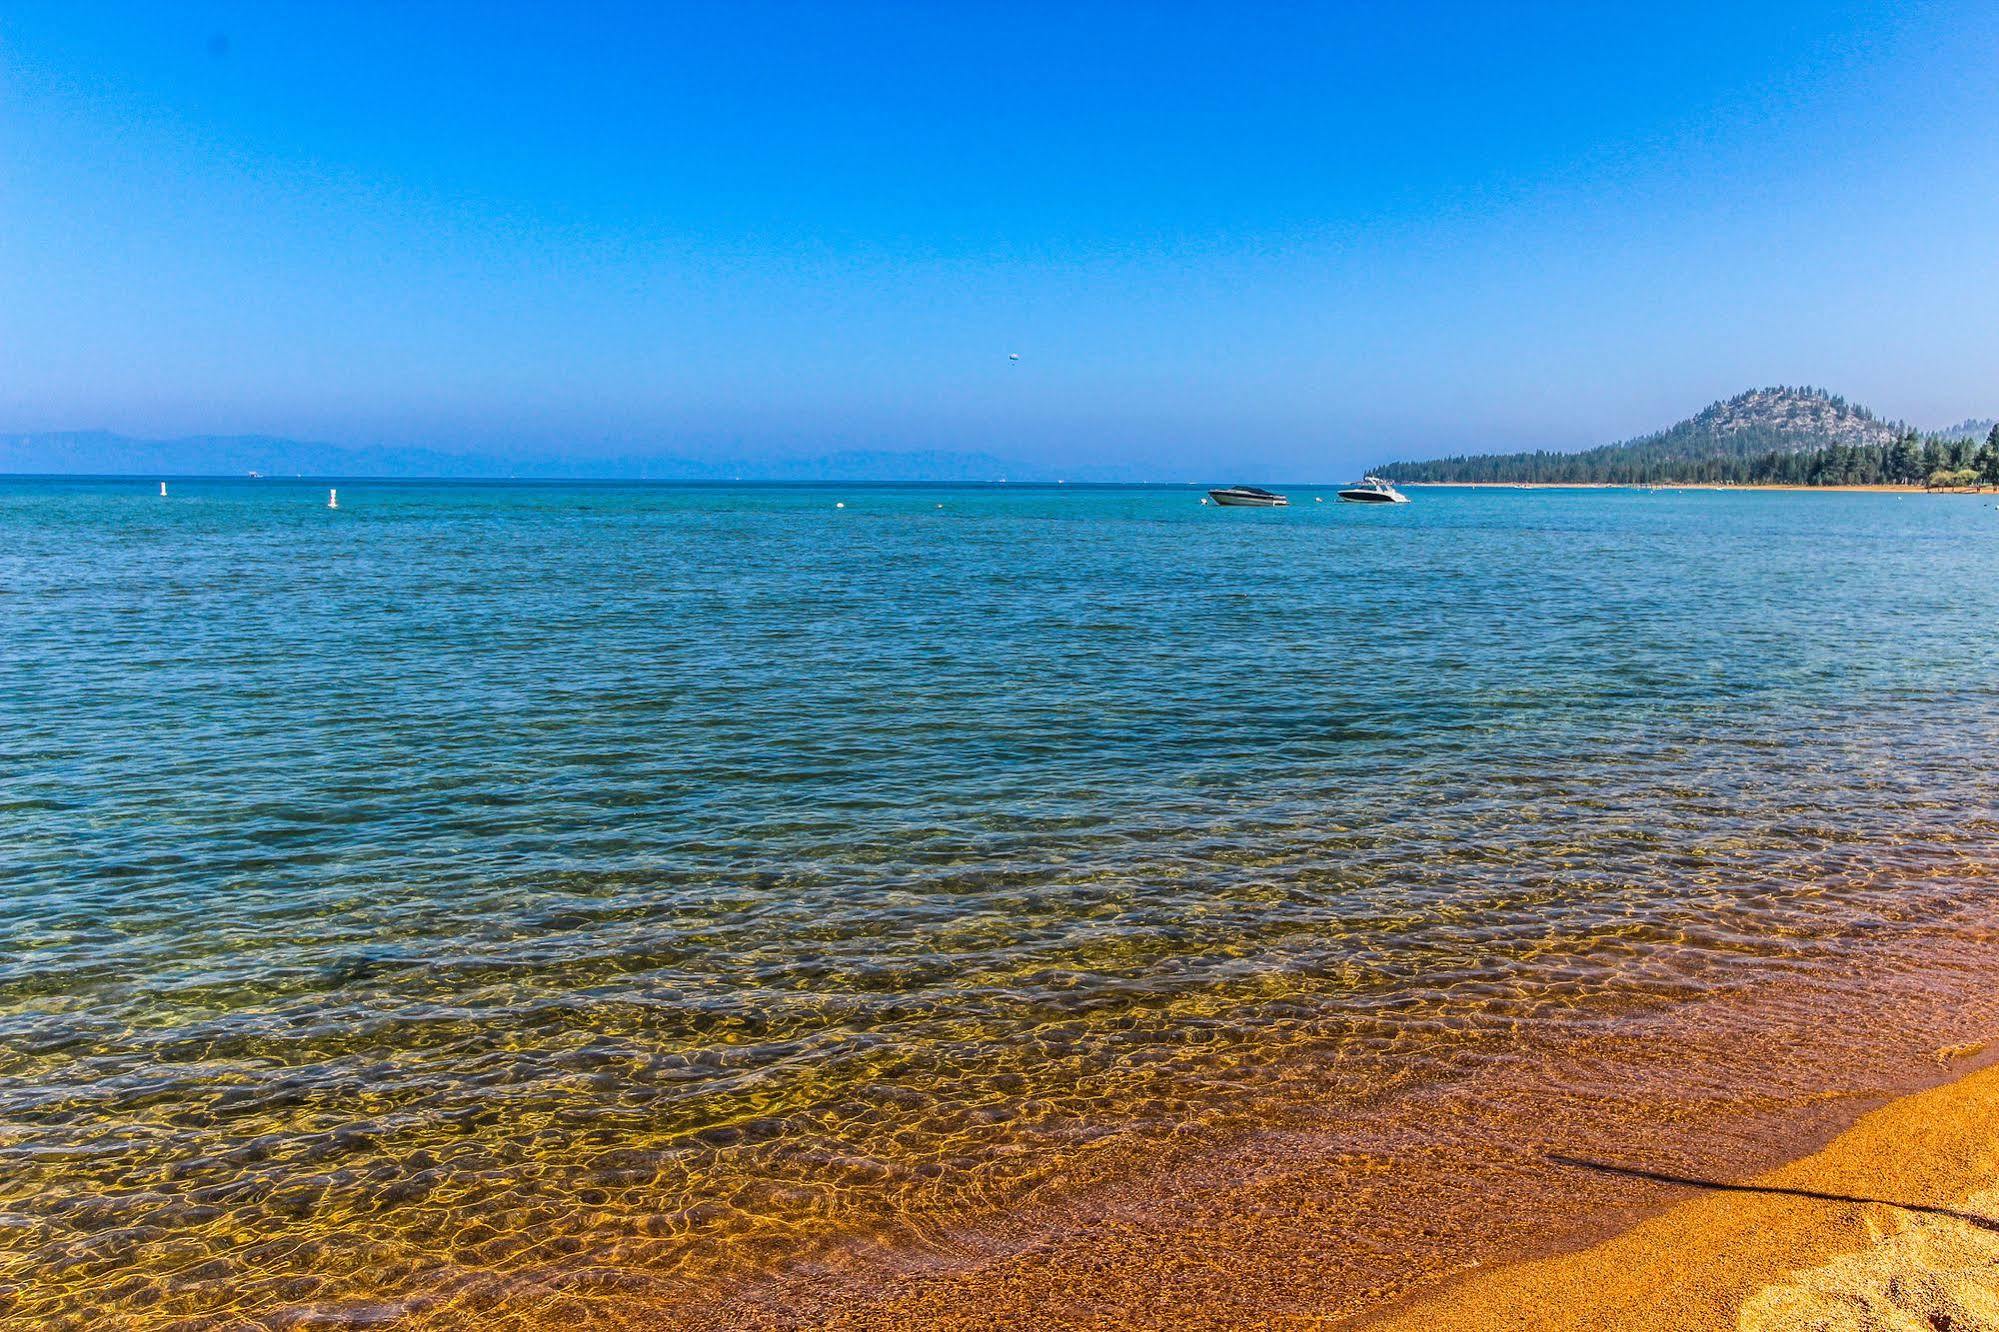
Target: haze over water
(532, 900)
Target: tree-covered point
(1777, 436)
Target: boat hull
(1240, 501)
(1371, 497)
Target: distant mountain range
(1804, 436)
(101, 453)
(1798, 435)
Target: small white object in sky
(1013, 356)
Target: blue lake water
(481, 880)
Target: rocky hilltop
(1777, 418)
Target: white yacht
(1373, 490)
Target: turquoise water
(523, 898)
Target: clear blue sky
(1219, 236)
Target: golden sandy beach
(1893, 1225)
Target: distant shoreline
(1689, 485)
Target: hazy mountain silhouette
(102, 453)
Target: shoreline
(1894, 1222)
(1364, 1217)
(1695, 485)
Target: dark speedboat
(1248, 496)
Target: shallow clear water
(485, 895)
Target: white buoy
(163, 490)
(839, 504)
(1204, 499)
(1318, 499)
(332, 499)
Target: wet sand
(1895, 1224)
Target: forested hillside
(1780, 436)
